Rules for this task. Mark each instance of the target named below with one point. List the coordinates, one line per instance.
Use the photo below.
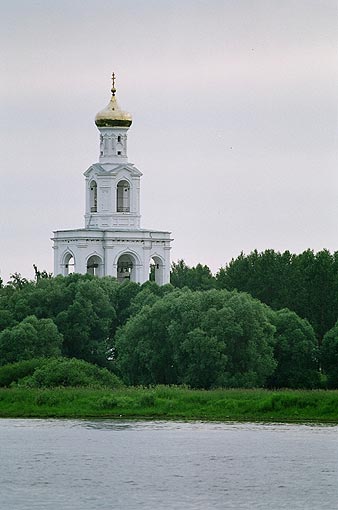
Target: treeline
(306, 283)
(201, 330)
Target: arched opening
(93, 197)
(123, 196)
(94, 265)
(156, 270)
(68, 264)
(126, 268)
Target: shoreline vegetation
(173, 403)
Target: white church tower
(112, 242)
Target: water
(99, 465)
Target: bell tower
(113, 184)
(113, 242)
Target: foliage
(13, 372)
(203, 339)
(195, 278)
(41, 274)
(85, 310)
(296, 352)
(70, 372)
(329, 356)
(17, 281)
(172, 335)
(31, 338)
(306, 283)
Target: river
(149, 465)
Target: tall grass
(162, 402)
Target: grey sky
(235, 121)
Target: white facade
(112, 242)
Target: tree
(203, 357)
(296, 352)
(17, 281)
(41, 274)
(31, 338)
(179, 337)
(195, 278)
(86, 323)
(86, 309)
(329, 356)
(306, 283)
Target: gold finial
(113, 89)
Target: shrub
(72, 372)
(13, 372)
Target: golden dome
(112, 115)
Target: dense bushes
(55, 372)
(159, 335)
(13, 372)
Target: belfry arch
(68, 264)
(156, 270)
(95, 265)
(123, 196)
(93, 196)
(127, 268)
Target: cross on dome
(112, 115)
(113, 89)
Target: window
(119, 139)
(123, 197)
(94, 265)
(93, 197)
(69, 264)
(119, 153)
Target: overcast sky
(234, 108)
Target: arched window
(126, 268)
(156, 270)
(93, 197)
(94, 265)
(123, 197)
(68, 264)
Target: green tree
(306, 283)
(86, 323)
(329, 356)
(201, 357)
(165, 342)
(17, 281)
(86, 309)
(30, 338)
(195, 278)
(296, 352)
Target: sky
(234, 105)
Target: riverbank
(171, 403)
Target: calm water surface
(99, 465)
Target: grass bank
(171, 403)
